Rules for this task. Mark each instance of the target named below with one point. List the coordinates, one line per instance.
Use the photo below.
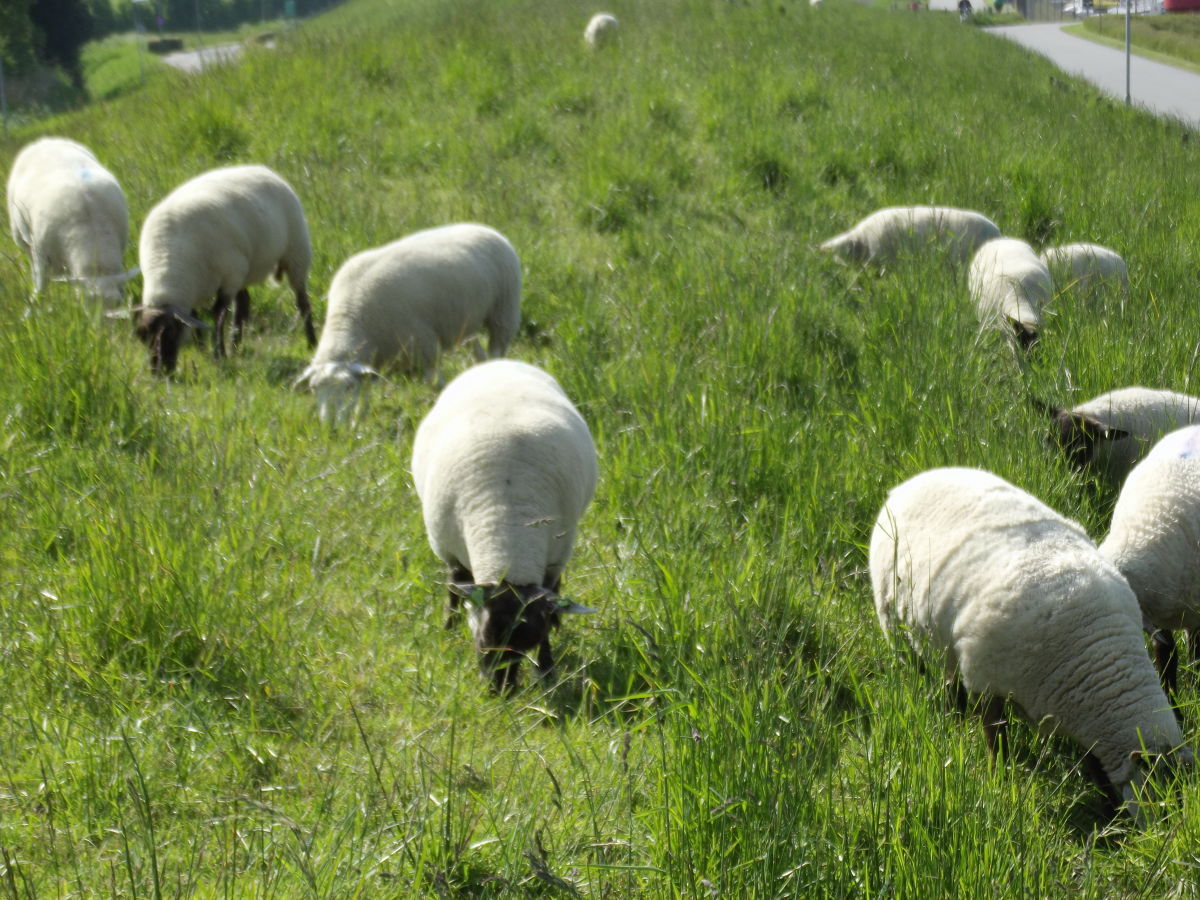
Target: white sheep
(601, 29)
(1090, 268)
(408, 300)
(1009, 286)
(68, 213)
(505, 466)
(1111, 432)
(1154, 540)
(888, 234)
(213, 237)
(1020, 605)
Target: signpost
(3, 98)
(137, 27)
(1128, 96)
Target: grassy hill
(223, 670)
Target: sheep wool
(1009, 286)
(601, 30)
(213, 237)
(889, 234)
(504, 466)
(1111, 432)
(1154, 539)
(404, 302)
(1023, 607)
(1089, 269)
(68, 213)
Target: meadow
(223, 667)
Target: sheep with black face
(210, 239)
(504, 466)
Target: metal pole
(3, 98)
(137, 37)
(1128, 96)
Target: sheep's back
(1155, 533)
(227, 229)
(444, 282)
(504, 466)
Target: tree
(17, 44)
(65, 26)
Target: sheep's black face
(162, 332)
(1077, 436)
(512, 622)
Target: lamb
(1090, 268)
(504, 466)
(68, 213)
(1154, 541)
(215, 236)
(888, 234)
(601, 30)
(1110, 433)
(409, 299)
(1024, 607)
(1009, 286)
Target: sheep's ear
(188, 319)
(304, 377)
(569, 606)
(471, 594)
(123, 313)
(364, 371)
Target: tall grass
(222, 666)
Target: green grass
(1170, 38)
(223, 670)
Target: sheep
(504, 466)
(888, 234)
(1110, 433)
(68, 213)
(216, 235)
(1009, 286)
(1090, 268)
(601, 30)
(1154, 540)
(1024, 608)
(407, 300)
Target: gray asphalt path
(196, 60)
(1157, 87)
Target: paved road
(1160, 88)
(195, 60)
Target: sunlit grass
(223, 669)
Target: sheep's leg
(461, 575)
(545, 660)
(220, 307)
(1166, 658)
(994, 727)
(1095, 773)
(241, 315)
(39, 274)
(305, 309)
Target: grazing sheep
(408, 300)
(601, 30)
(1024, 608)
(1110, 433)
(1089, 268)
(1009, 286)
(1154, 540)
(505, 466)
(214, 236)
(68, 213)
(888, 234)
